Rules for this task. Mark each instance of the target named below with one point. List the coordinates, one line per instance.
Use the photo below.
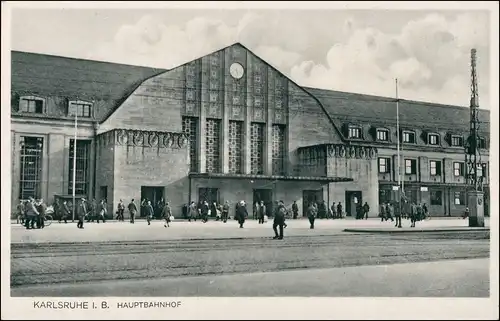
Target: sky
(360, 51)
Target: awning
(325, 179)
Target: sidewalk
(141, 231)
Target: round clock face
(236, 70)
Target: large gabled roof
(48, 75)
(361, 108)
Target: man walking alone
(279, 220)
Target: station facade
(226, 127)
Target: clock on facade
(236, 70)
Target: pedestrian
(121, 209)
(148, 210)
(64, 212)
(82, 211)
(425, 210)
(132, 208)
(102, 212)
(213, 211)
(31, 213)
(204, 211)
(192, 211)
(389, 210)
(339, 210)
(262, 212)
(93, 211)
(295, 210)
(42, 209)
(366, 209)
(322, 210)
(20, 212)
(466, 213)
(241, 213)
(311, 215)
(382, 213)
(225, 211)
(256, 210)
(334, 210)
(398, 208)
(279, 220)
(167, 212)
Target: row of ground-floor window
(440, 200)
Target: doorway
(311, 196)
(153, 194)
(265, 195)
(352, 199)
(211, 195)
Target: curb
(435, 230)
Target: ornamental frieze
(140, 138)
(353, 152)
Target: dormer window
(409, 137)
(457, 141)
(383, 135)
(32, 104)
(354, 132)
(433, 139)
(80, 108)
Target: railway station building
(226, 127)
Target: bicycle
(48, 220)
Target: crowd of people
(32, 212)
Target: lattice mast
(472, 155)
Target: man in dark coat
(311, 214)
(42, 209)
(295, 210)
(82, 211)
(204, 211)
(279, 220)
(322, 210)
(31, 213)
(339, 210)
(261, 212)
(166, 212)
(241, 213)
(132, 208)
(101, 212)
(65, 212)
(366, 209)
(225, 211)
(149, 212)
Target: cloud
(429, 56)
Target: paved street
(120, 251)
(124, 231)
(460, 278)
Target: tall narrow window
(190, 128)
(410, 166)
(278, 150)
(257, 148)
(435, 167)
(235, 146)
(31, 167)
(82, 166)
(458, 169)
(212, 134)
(384, 165)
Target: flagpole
(398, 135)
(74, 163)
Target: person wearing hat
(241, 213)
(132, 208)
(279, 220)
(82, 211)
